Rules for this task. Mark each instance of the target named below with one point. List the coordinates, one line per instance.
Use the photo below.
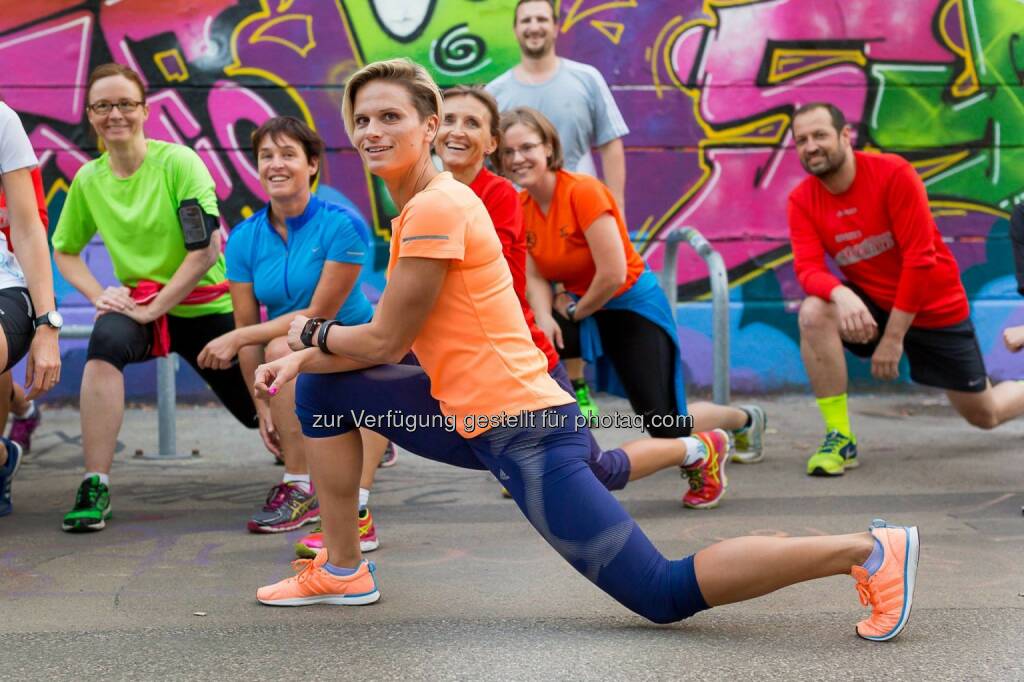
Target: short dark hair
(551, 4)
(289, 126)
(838, 118)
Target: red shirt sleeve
(37, 183)
(809, 255)
(914, 232)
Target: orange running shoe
(315, 585)
(889, 590)
(707, 477)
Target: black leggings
(643, 356)
(120, 340)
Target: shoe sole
(88, 528)
(909, 583)
(334, 599)
(269, 530)
(368, 545)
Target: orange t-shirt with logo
(557, 241)
(475, 345)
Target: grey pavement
(471, 592)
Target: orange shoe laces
(303, 569)
(866, 594)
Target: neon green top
(137, 217)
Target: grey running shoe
(750, 441)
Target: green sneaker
(587, 405)
(749, 442)
(92, 507)
(836, 454)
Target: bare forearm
(185, 279)
(613, 165)
(600, 291)
(34, 257)
(899, 324)
(249, 358)
(264, 332)
(538, 295)
(77, 273)
(316, 362)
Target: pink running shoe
(288, 507)
(315, 585)
(309, 546)
(707, 477)
(22, 428)
(390, 457)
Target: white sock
(104, 478)
(27, 413)
(695, 450)
(364, 498)
(302, 480)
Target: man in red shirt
(870, 213)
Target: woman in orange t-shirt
(611, 304)
(483, 399)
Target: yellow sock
(836, 416)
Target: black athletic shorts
(18, 319)
(943, 357)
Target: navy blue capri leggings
(543, 464)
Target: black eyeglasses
(125, 106)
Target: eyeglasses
(125, 106)
(510, 152)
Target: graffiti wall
(707, 89)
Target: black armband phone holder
(197, 225)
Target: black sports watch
(309, 331)
(321, 338)
(50, 319)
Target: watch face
(55, 319)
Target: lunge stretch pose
(449, 297)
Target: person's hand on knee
(1013, 337)
(856, 324)
(219, 353)
(114, 299)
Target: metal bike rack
(166, 396)
(719, 277)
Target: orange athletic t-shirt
(557, 241)
(475, 345)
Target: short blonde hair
(426, 96)
(540, 124)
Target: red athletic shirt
(37, 183)
(881, 234)
(502, 203)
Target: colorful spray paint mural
(707, 89)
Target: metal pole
(718, 276)
(165, 401)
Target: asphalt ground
(470, 591)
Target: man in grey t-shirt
(573, 95)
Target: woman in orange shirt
(611, 303)
(449, 298)
(469, 132)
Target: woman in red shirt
(612, 304)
